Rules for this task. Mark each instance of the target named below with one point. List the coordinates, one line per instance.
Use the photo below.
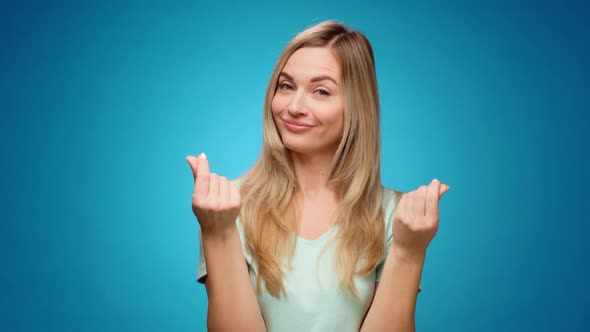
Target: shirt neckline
(317, 239)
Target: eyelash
(285, 85)
(323, 92)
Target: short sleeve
(388, 201)
(202, 268)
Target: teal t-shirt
(314, 301)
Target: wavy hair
(270, 209)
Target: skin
(302, 97)
(308, 91)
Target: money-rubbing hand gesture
(415, 220)
(216, 200)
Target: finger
(202, 176)
(224, 190)
(202, 165)
(420, 201)
(213, 195)
(410, 205)
(432, 196)
(192, 162)
(443, 189)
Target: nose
(296, 106)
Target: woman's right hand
(216, 200)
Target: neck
(312, 172)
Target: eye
(286, 86)
(322, 92)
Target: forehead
(313, 61)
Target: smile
(296, 126)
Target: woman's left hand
(415, 221)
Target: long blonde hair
(270, 208)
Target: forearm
(394, 304)
(232, 302)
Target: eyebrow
(313, 79)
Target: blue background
(101, 102)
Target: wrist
(408, 255)
(217, 234)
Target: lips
(295, 126)
(297, 123)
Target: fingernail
(435, 180)
(203, 155)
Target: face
(307, 106)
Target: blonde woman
(309, 239)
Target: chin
(298, 148)
(307, 148)
(306, 144)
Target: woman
(327, 248)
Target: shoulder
(390, 198)
(238, 181)
(239, 222)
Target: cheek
(338, 122)
(276, 105)
(337, 117)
